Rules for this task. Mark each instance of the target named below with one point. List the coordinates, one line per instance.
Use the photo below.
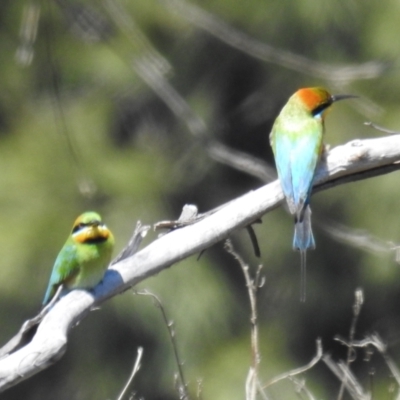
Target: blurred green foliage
(80, 130)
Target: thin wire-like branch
(341, 371)
(300, 370)
(381, 128)
(49, 343)
(135, 369)
(252, 288)
(182, 385)
(239, 40)
(358, 302)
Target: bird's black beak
(337, 97)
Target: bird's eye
(78, 227)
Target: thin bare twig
(300, 370)
(381, 128)
(182, 387)
(252, 287)
(135, 369)
(134, 242)
(344, 374)
(188, 216)
(358, 302)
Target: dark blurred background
(117, 106)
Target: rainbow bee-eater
(296, 140)
(84, 258)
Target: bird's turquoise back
(297, 142)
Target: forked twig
(344, 374)
(134, 242)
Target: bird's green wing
(282, 146)
(65, 269)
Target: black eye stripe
(321, 108)
(81, 225)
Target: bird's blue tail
(303, 240)
(303, 237)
